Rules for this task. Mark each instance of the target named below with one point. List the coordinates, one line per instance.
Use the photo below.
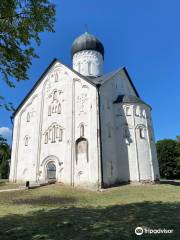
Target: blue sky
(143, 36)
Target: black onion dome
(87, 42)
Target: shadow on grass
(45, 200)
(171, 182)
(112, 222)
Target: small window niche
(137, 111)
(81, 150)
(26, 140)
(53, 134)
(82, 130)
(128, 111)
(143, 113)
(142, 133)
(89, 68)
(60, 134)
(59, 109)
(49, 110)
(56, 77)
(28, 117)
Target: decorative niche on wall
(28, 117)
(55, 105)
(81, 101)
(53, 134)
(26, 140)
(81, 150)
(142, 131)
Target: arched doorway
(51, 171)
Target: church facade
(82, 128)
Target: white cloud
(5, 132)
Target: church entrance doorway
(51, 171)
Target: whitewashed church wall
(125, 142)
(25, 135)
(57, 102)
(56, 129)
(110, 170)
(109, 92)
(144, 157)
(86, 171)
(127, 156)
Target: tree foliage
(5, 154)
(21, 22)
(168, 152)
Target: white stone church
(82, 128)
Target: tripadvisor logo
(140, 231)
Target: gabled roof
(96, 82)
(42, 76)
(101, 80)
(130, 99)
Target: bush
(168, 153)
(5, 154)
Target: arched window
(82, 130)
(26, 140)
(57, 132)
(143, 113)
(60, 134)
(137, 111)
(128, 111)
(49, 111)
(56, 77)
(59, 109)
(28, 117)
(141, 132)
(89, 68)
(53, 134)
(53, 109)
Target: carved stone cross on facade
(81, 100)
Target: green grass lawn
(6, 185)
(57, 212)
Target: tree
(21, 22)
(5, 154)
(178, 138)
(168, 152)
